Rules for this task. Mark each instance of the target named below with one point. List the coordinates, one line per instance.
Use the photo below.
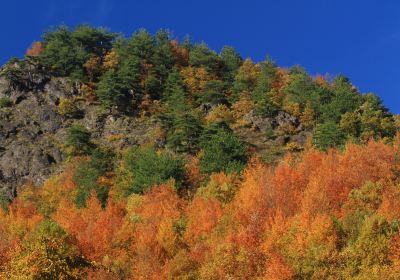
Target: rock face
(33, 132)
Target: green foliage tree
(183, 134)
(78, 140)
(214, 93)
(175, 95)
(231, 62)
(183, 127)
(328, 135)
(163, 58)
(62, 54)
(303, 90)
(95, 41)
(143, 168)
(223, 150)
(261, 94)
(200, 55)
(111, 90)
(87, 176)
(141, 46)
(343, 99)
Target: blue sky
(360, 39)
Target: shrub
(78, 140)
(67, 107)
(5, 102)
(144, 167)
(87, 176)
(328, 135)
(223, 151)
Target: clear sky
(358, 38)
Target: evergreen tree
(141, 46)
(200, 55)
(163, 58)
(223, 151)
(231, 62)
(145, 167)
(262, 92)
(87, 175)
(78, 140)
(328, 135)
(183, 134)
(111, 90)
(63, 55)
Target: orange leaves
(203, 215)
(293, 220)
(96, 230)
(278, 269)
(193, 173)
(36, 49)
(337, 174)
(195, 79)
(181, 54)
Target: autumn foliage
(316, 215)
(36, 49)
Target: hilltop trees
(182, 81)
(66, 51)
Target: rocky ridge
(33, 131)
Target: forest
(318, 199)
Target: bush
(67, 107)
(5, 102)
(78, 140)
(223, 151)
(4, 201)
(144, 167)
(328, 135)
(87, 175)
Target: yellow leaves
(307, 116)
(195, 78)
(293, 108)
(88, 91)
(36, 49)
(111, 60)
(248, 72)
(220, 113)
(221, 186)
(243, 106)
(67, 106)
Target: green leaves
(87, 176)
(223, 151)
(111, 90)
(328, 135)
(144, 167)
(78, 140)
(66, 51)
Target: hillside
(150, 158)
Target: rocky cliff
(33, 130)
